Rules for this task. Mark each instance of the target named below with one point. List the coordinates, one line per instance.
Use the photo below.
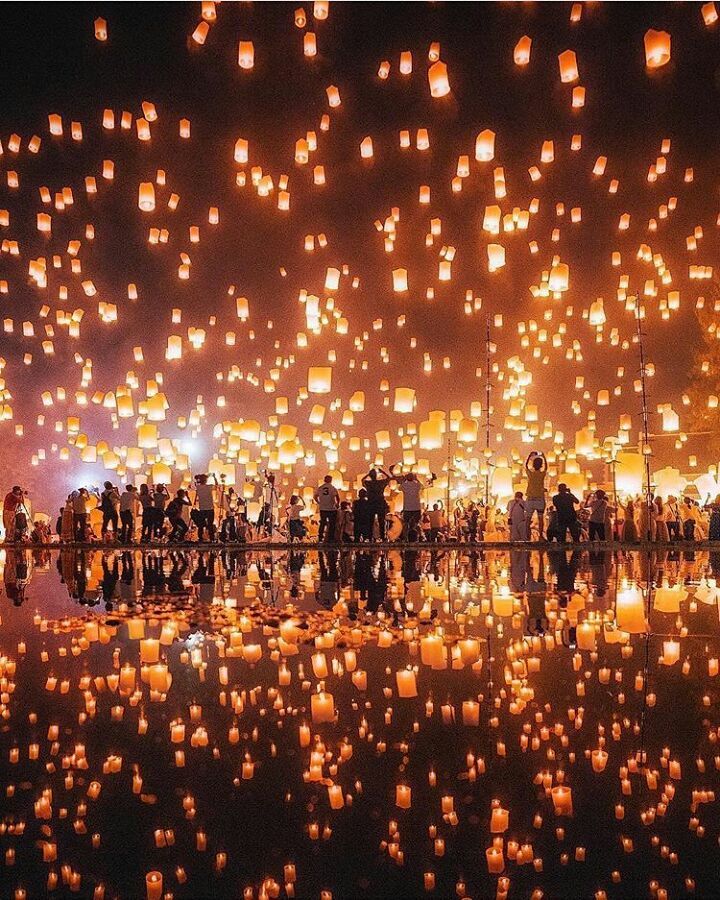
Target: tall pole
(448, 434)
(488, 394)
(645, 424)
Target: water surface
(210, 767)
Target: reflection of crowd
(365, 584)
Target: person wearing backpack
(110, 508)
(597, 503)
(174, 512)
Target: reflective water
(159, 714)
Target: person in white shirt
(270, 501)
(411, 490)
(128, 511)
(296, 529)
(517, 516)
(671, 513)
(205, 503)
(327, 499)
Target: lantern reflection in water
(281, 699)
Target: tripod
(269, 511)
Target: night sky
(52, 63)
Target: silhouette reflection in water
(369, 723)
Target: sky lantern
(400, 280)
(669, 481)
(438, 79)
(430, 435)
(332, 279)
(246, 54)
(559, 278)
(485, 146)
(201, 32)
(502, 482)
(319, 379)
(568, 66)
(101, 31)
(147, 435)
(657, 48)
(468, 431)
(521, 53)
(597, 315)
(310, 44)
(630, 611)
(405, 65)
(709, 13)
(366, 148)
(329, 329)
(146, 196)
(321, 9)
(404, 400)
(496, 257)
(629, 472)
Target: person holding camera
(14, 501)
(270, 498)
(128, 508)
(110, 508)
(296, 527)
(205, 507)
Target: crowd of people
(214, 511)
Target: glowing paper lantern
(438, 79)
(468, 431)
(400, 280)
(562, 800)
(669, 482)
(496, 257)
(147, 436)
(322, 707)
(521, 53)
(709, 13)
(584, 442)
(357, 401)
(559, 279)
(485, 146)
(630, 611)
(629, 473)
(501, 483)
(319, 379)
(657, 48)
(597, 312)
(568, 66)
(404, 400)
(246, 54)
(668, 600)
(146, 196)
(430, 436)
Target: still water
(359, 724)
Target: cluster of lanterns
(296, 380)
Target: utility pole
(448, 437)
(645, 424)
(488, 394)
